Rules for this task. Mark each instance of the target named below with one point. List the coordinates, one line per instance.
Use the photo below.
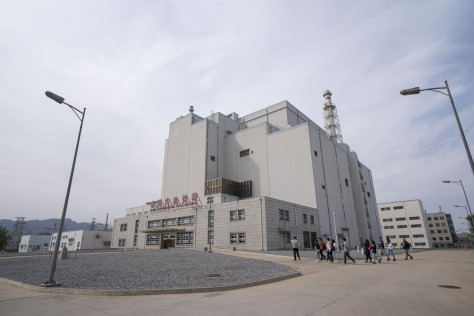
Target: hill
(48, 226)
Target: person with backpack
(406, 246)
(381, 248)
(329, 250)
(346, 251)
(390, 250)
(367, 249)
(374, 253)
(316, 247)
(322, 246)
(334, 251)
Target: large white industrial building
(276, 156)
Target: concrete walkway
(390, 288)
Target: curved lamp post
(60, 100)
(465, 196)
(417, 90)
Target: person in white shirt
(294, 243)
(389, 249)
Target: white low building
(34, 243)
(405, 219)
(276, 153)
(82, 239)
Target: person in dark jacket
(367, 251)
(406, 246)
(374, 253)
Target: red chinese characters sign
(167, 204)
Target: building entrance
(168, 241)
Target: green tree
(5, 237)
(470, 220)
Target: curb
(56, 290)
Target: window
(435, 218)
(210, 237)
(437, 224)
(388, 227)
(392, 237)
(398, 207)
(121, 243)
(401, 219)
(213, 158)
(429, 218)
(324, 187)
(414, 218)
(152, 224)
(402, 226)
(431, 225)
(368, 193)
(420, 244)
(315, 153)
(210, 218)
(388, 220)
(347, 182)
(305, 219)
(189, 220)
(287, 237)
(403, 236)
(441, 238)
(233, 238)
(311, 218)
(419, 236)
(237, 215)
(185, 238)
(123, 227)
(415, 225)
(445, 231)
(169, 222)
(153, 239)
(447, 238)
(432, 231)
(443, 224)
(439, 231)
(434, 238)
(394, 244)
(441, 217)
(237, 238)
(241, 238)
(244, 153)
(284, 215)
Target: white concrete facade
(82, 239)
(405, 219)
(34, 243)
(248, 224)
(440, 230)
(285, 155)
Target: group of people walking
(373, 252)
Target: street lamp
(417, 90)
(60, 100)
(465, 196)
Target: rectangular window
(284, 215)
(123, 227)
(233, 215)
(399, 219)
(402, 226)
(189, 220)
(388, 227)
(287, 237)
(305, 219)
(237, 215)
(347, 182)
(213, 158)
(394, 244)
(445, 231)
(403, 236)
(152, 224)
(398, 207)
(121, 243)
(153, 239)
(368, 193)
(210, 237)
(439, 231)
(169, 222)
(429, 218)
(233, 238)
(185, 238)
(437, 224)
(311, 218)
(388, 220)
(241, 214)
(415, 225)
(432, 231)
(441, 217)
(431, 225)
(244, 153)
(324, 187)
(315, 153)
(241, 238)
(420, 244)
(435, 218)
(392, 237)
(237, 238)
(443, 224)
(414, 218)
(419, 236)
(434, 238)
(447, 238)
(441, 238)
(210, 218)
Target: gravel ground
(142, 270)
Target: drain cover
(449, 286)
(213, 275)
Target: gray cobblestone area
(142, 270)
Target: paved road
(390, 288)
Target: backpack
(369, 248)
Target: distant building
(82, 239)
(441, 229)
(34, 243)
(405, 219)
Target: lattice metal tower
(331, 120)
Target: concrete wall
(33, 243)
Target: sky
(138, 65)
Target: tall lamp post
(417, 90)
(468, 218)
(60, 100)
(465, 196)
